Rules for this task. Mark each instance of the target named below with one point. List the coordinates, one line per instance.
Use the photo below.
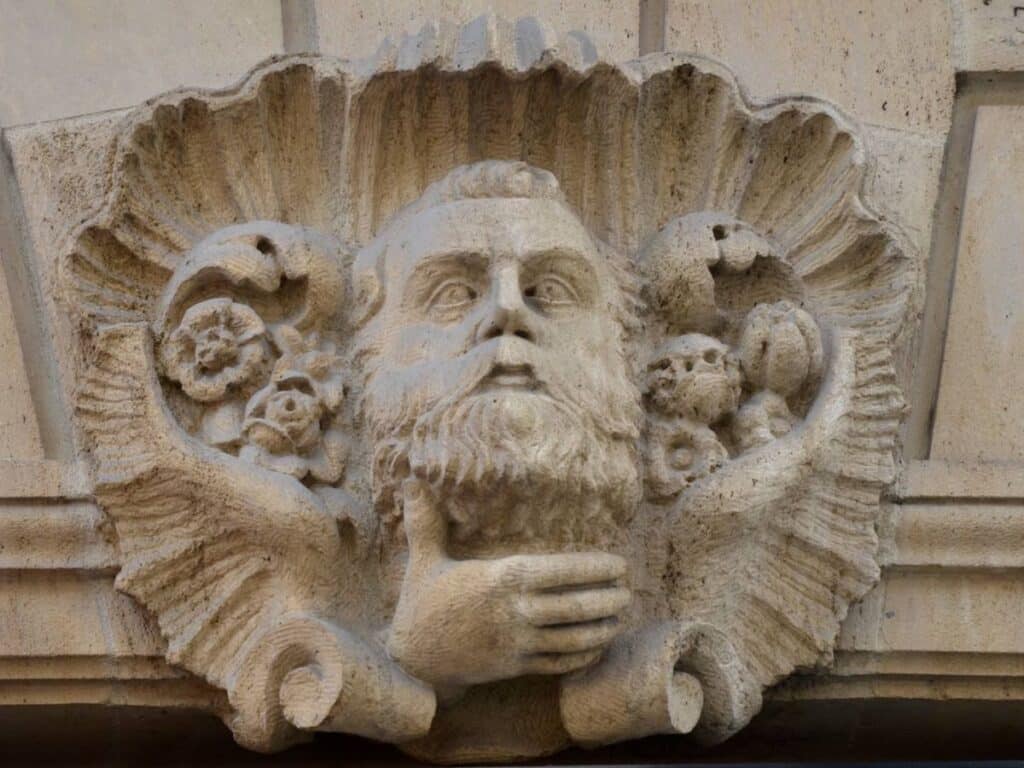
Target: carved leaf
(793, 521)
(216, 549)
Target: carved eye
(452, 295)
(551, 292)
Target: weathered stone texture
(19, 432)
(604, 273)
(989, 35)
(941, 622)
(887, 62)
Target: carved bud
(780, 348)
(685, 260)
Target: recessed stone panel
(980, 412)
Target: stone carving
(512, 402)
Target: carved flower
(679, 452)
(288, 424)
(286, 419)
(694, 377)
(219, 344)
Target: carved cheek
(420, 342)
(584, 336)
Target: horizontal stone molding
(938, 479)
(957, 557)
(43, 479)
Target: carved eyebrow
(570, 263)
(436, 266)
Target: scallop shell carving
(339, 146)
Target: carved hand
(463, 622)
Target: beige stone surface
(887, 62)
(961, 611)
(989, 35)
(938, 479)
(940, 624)
(352, 30)
(60, 58)
(904, 179)
(979, 415)
(19, 431)
(60, 173)
(255, 425)
(107, 624)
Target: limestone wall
(937, 87)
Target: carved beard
(550, 466)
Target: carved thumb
(425, 526)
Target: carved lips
(513, 367)
(513, 376)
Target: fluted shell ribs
(215, 289)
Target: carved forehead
(494, 209)
(496, 228)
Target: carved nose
(508, 315)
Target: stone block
(988, 36)
(885, 61)
(75, 57)
(980, 414)
(351, 30)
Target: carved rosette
(218, 304)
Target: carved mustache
(399, 396)
(505, 354)
(511, 355)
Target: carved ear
(704, 268)
(367, 283)
(290, 275)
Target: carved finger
(425, 526)
(534, 572)
(546, 608)
(575, 638)
(558, 663)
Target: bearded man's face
(496, 371)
